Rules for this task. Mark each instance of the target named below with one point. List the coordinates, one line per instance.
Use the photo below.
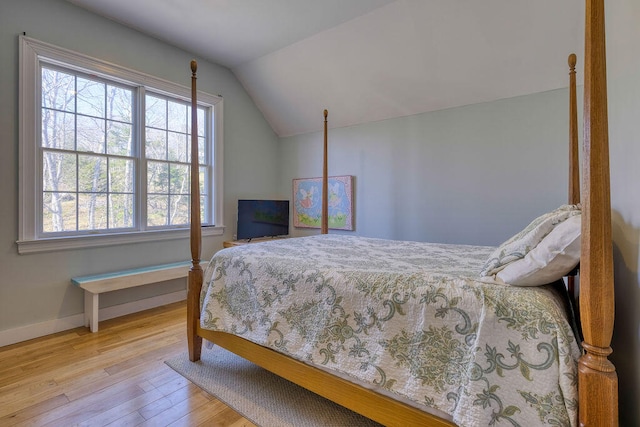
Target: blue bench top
(85, 279)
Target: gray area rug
(260, 396)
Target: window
(105, 153)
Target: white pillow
(519, 245)
(555, 256)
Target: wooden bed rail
(597, 378)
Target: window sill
(99, 240)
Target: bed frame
(597, 378)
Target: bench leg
(91, 310)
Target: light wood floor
(114, 377)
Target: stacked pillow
(543, 252)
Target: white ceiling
(367, 60)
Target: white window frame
(31, 53)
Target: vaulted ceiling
(367, 60)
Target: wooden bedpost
(597, 378)
(325, 184)
(196, 273)
(574, 161)
(574, 158)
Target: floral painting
(307, 202)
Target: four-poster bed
(597, 380)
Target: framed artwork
(307, 202)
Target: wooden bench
(95, 285)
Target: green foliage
(335, 221)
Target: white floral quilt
(413, 318)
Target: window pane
(203, 209)
(58, 212)
(119, 140)
(119, 104)
(94, 142)
(157, 210)
(158, 178)
(58, 90)
(177, 117)
(189, 119)
(156, 112)
(58, 130)
(92, 211)
(201, 124)
(91, 133)
(156, 145)
(121, 211)
(177, 147)
(121, 175)
(203, 180)
(92, 174)
(201, 151)
(58, 171)
(91, 97)
(179, 214)
(179, 179)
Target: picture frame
(307, 202)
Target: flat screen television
(262, 218)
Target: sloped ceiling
(367, 60)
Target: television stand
(231, 243)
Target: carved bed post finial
(196, 232)
(325, 184)
(196, 273)
(597, 378)
(574, 162)
(574, 158)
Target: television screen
(262, 218)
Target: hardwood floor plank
(136, 361)
(11, 394)
(129, 420)
(78, 411)
(169, 399)
(124, 409)
(241, 423)
(212, 415)
(163, 376)
(178, 410)
(116, 376)
(78, 388)
(29, 349)
(176, 387)
(20, 417)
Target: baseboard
(24, 333)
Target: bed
(432, 345)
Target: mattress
(413, 319)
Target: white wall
(35, 289)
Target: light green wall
(623, 68)
(36, 288)
(463, 175)
(398, 165)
